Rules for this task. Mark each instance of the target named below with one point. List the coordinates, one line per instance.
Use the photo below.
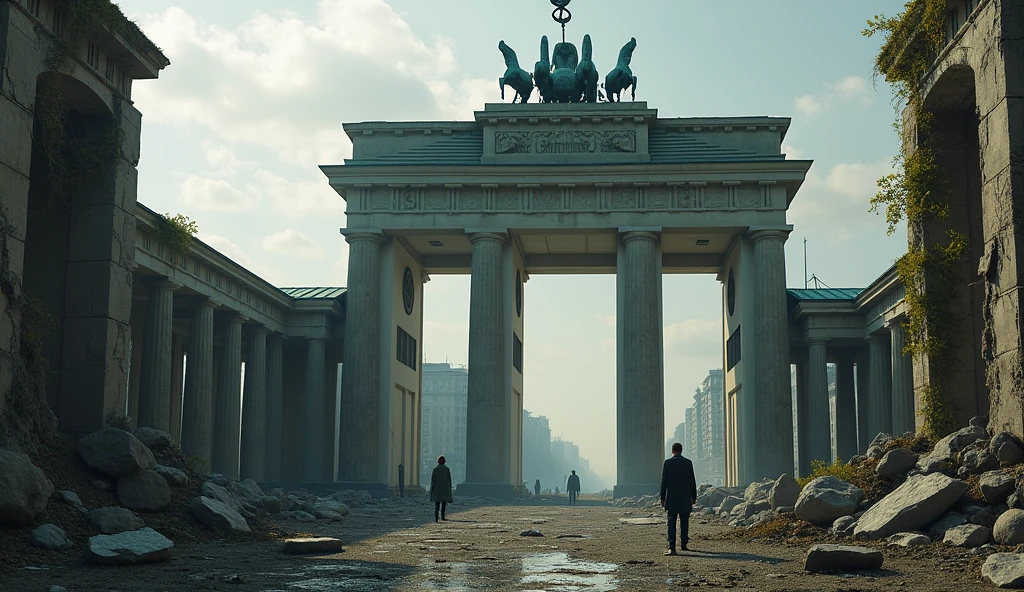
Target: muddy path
(397, 546)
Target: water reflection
(556, 572)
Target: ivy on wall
(917, 193)
(176, 232)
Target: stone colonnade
(874, 394)
(188, 383)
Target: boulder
(996, 486)
(896, 461)
(271, 504)
(785, 509)
(881, 440)
(113, 520)
(222, 495)
(50, 537)
(115, 452)
(729, 503)
(1006, 448)
(785, 491)
(298, 515)
(947, 521)
(711, 498)
(70, 498)
(330, 510)
(908, 539)
(217, 515)
(827, 498)
(1004, 570)
(24, 489)
(843, 526)
(145, 491)
(174, 477)
(919, 501)
(247, 491)
(875, 452)
(967, 536)
(1009, 528)
(933, 465)
(533, 532)
(979, 421)
(129, 548)
(758, 491)
(947, 448)
(973, 462)
(312, 545)
(154, 439)
(821, 558)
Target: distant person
(573, 487)
(401, 480)
(441, 488)
(536, 488)
(678, 494)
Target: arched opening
(74, 147)
(956, 141)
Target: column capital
(876, 338)
(894, 323)
(353, 235)
(205, 303)
(233, 316)
(816, 340)
(499, 236)
(759, 233)
(162, 282)
(646, 235)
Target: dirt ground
(397, 546)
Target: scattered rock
(330, 510)
(247, 491)
(174, 477)
(71, 498)
(50, 537)
(222, 495)
(103, 485)
(533, 532)
(145, 491)
(129, 548)
(1006, 448)
(713, 497)
(984, 550)
(874, 452)
(822, 558)
(947, 448)
(919, 501)
(217, 515)
(979, 421)
(1005, 570)
(785, 509)
(908, 539)
(1009, 528)
(24, 489)
(843, 526)
(298, 515)
(153, 438)
(977, 461)
(113, 520)
(312, 545)
(758, 491)
(56, 589)
(947, 521)
(827, 498)
(967, 536)
(996, 486)
(933, 465)
(115, 452)
(729, 503)
(785, 491)
(271, 504)
(896, 461)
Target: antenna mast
(805, 263)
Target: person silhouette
(678, 494)
(536, 488)
(441, 488)
(573, 487)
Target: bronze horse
(586, 73)
(519, 79)
(621, 77)
(542, 72)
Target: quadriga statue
(519, 79)
(621, 77)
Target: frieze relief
(407, 199)
(716, 198)
(624, 199)
(435, 199)
(565, 142)
(547, 200)
(659, 198)
(471, 201)
(584, 199)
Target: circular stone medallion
(730, 293)
(519, 294)
(408, 291)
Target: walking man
(441, 488)
(401, 480)
(573, 487)
(678, 494)
(536, 487)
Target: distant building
(679, 435)
(711, 397)
(443, 427)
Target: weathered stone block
(24, 489)
(912, 505)
(827, 498)
(113, 520)
(115, 452)
(128, 548)
(217, 515)
(144, 491)
(312, 545)
(1004, 570)
(50, 537)
(822, 558)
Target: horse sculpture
(519, 79)
(621, 77)
(564, 59)
(542, 72)
(586, 73)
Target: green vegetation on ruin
(177, 233)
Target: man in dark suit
(678, 494)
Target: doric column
(197, 420)
(360, 391)
(254, 409)
(819, 424)
(880, 376)
(773, 419)
(313, 425)
(228, 405)
(155, 378)
(803, 419)
(903, 418)
(177, 384)
(846, 409)
(863, 400)
(640, 402)
(487, 434)
(275, 407)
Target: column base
(635, 490)
(495, 490)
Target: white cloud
(214, 195)
(851, 89)
(838, 201)
(221, 157)
(859, 181)
(226, 248)
(696, 337)
(298, 198)
(293, 243)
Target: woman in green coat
(441, 488)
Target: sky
(253, 101)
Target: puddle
(641, 521)
(558, 573)
(356, 577)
